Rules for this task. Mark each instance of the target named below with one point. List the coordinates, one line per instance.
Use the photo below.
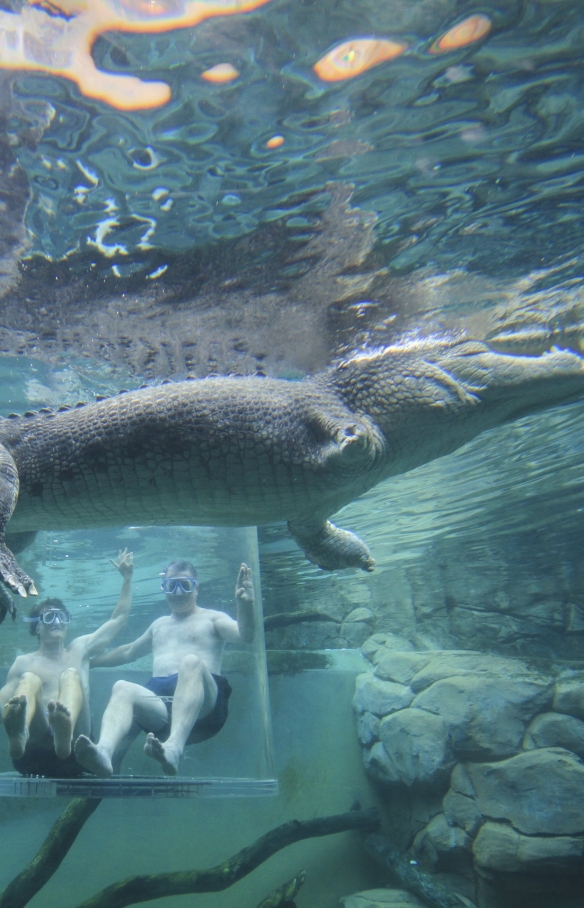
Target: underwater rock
(433, 892)
(368, 728)
(417, 747)
(460, 809)
(448, 663)
(511, 817)
(380, 697)
(538, 792)
(556, 730)
(360, 614)
(500, 848)
(382, 898)
(439, 842)
(512, 608)
(399, 667)
(569, 697)
(357, 626)
(378, 764)
(376, 646)
(486, 716)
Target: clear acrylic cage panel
(75, 566)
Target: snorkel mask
(62, 615)
(178, 586)
(50, 616)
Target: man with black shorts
(185, 701)
(45, 700)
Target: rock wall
(519, 596)
(481, 759)
(480, 589)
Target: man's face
(52, 625)
(180, 588)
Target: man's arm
(101, 638)
(127, 653)
(244, 629)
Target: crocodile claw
(13, 576)
(6, 605)
(15, 585)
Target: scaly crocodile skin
(248, 451)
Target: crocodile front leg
(6, 604)
(10, 572)
(330, 547)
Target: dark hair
(36, 611)
(182, 567)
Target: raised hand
(125, 563)
(244, 586)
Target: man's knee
(191, 664)
(29, 679)
(70, 674)
(123, 689)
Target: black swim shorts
(40, 759)
(208, 725)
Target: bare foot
(14, 717)
(92, 758)
(60, 722)
(166, 756)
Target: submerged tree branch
(48, 859)
(284, 895)
(146, 888)
(422, 884)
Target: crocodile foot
(13, 575)
(6, 604)
(330, 547)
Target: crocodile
(237, 451)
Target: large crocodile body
(245, 451)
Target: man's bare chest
(197, 631)
(49, 669)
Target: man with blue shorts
(186, 699)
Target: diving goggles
(177, 585)
(56, 614)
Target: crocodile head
(429, 398)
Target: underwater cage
(236, 762)
(350, 234)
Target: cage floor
(13, 785)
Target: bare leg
(19, 712)
(64, 712)
(124, 746)
(126, 700)
(195, 694)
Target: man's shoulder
(25, 659)
(26, 662)
(216, 614)
(78, 643)
(158, 622)
(211, 613)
